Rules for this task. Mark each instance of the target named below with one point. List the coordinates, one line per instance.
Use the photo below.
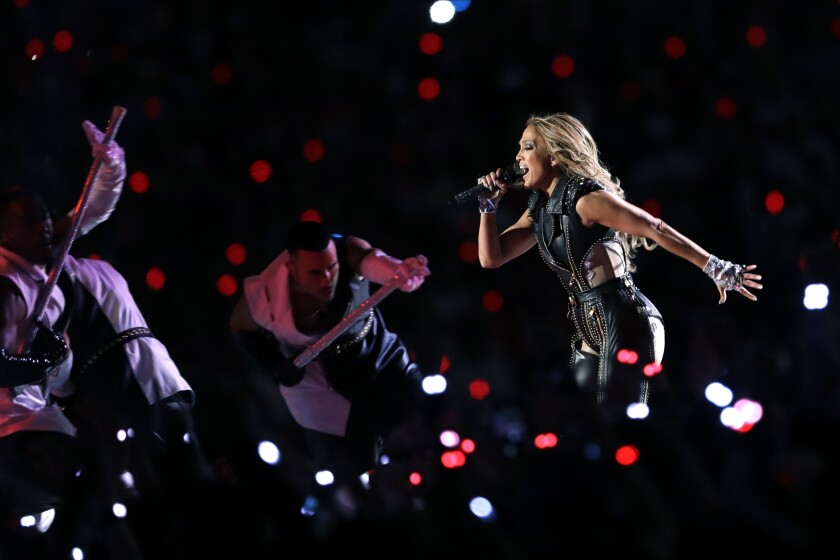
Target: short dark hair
(9, 197)
(307, 235)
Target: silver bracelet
(725, 274)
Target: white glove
(381, 268)
(106, 189)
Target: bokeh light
(63, 41)
(428, 89)
(479, 389)
(155, 278)
(430, 43)
(627, 455)
(675, 47)
(236, 254)
(260, 171)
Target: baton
(349, 320)
(117, 114)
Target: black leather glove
(48, 351)
(264, 351)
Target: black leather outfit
(612, 316)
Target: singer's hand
(496, 189)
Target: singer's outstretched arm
(495, 249)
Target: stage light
(725, 108)
(434, 384)
(442, 11)
(119, 510)
(675, 47)
(268, 452)
(324, 478)
(637, 411)
(260, 171)
(449, 438)
(718, 394)
(626, 455)
(482, 508)
(816, 296)
(63, 41)
(492, 301)
(479, 388)
(563, 66)
(313, 150)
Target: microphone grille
(512, 174)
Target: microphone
(510, 174)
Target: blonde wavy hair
(574, 150)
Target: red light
(453, 459)
(236, 254)
(155, 278)
(227, 285)
(468, 446)
(62, 41)
(653, 207)
(119, 52)
(835, 28)
(675, 47)
(430, 43)
(95, 257)
(21, 3)
(310, 215)
(631, 91)
(428, 89)
(444, 364)
(139, 182)
(260, 171)
(401, 154)
(468, 251)
(479, 388)
(625, 356)
(563, 66)
(34, 49)
(626, 455)
(725, 108)
(415, 478)
(774, 202)
(492, 301)
(545, 441)
(152, 107)
(756, 36)
(221, 74)
(313, 150)
(652, 369)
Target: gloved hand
(735, 277)
(106, 190)
(112, 154)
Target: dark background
(346, 74)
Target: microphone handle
(468, 194)
(508, 175)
